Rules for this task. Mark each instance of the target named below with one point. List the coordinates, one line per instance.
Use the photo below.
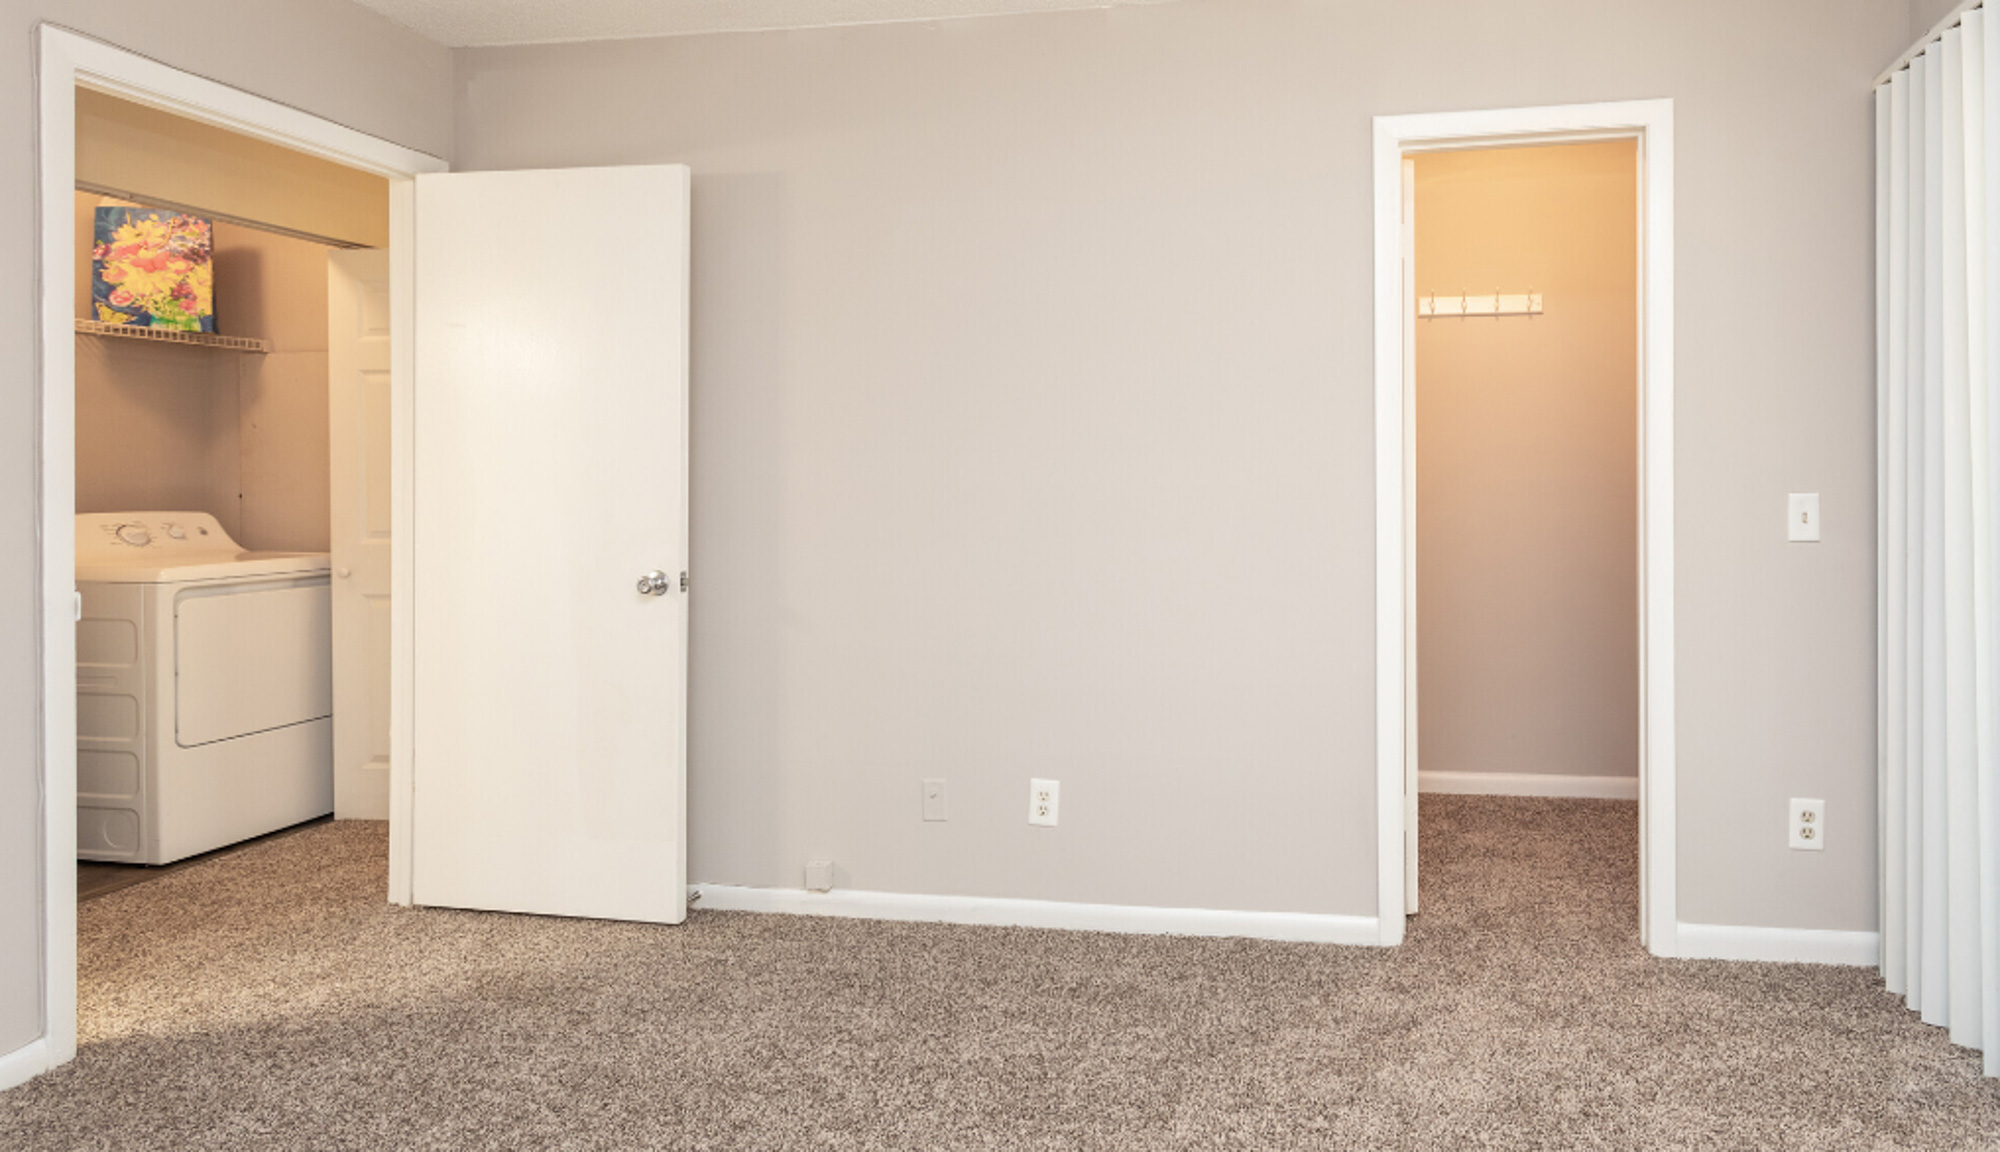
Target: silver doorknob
(654, 583)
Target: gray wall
(1032, 415)
(1924, 14)
(1528, 463)
(1032, 426)
(326, 56)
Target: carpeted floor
(94, 879)
(269, 999)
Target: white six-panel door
(550, 476)
(358, 410)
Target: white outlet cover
(1808, 828)
(1043, 797)
(819, 876)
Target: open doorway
(1525, 534)
(1641, 132)
(69, 65)
(529, 351)
(231, 491)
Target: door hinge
(684, 580)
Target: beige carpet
(268, 999)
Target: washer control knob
(177, 532)
(135, 535)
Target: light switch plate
(935, 806)
(1802, 518)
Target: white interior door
(358, 403)
(550, 476)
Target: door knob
(653, 583)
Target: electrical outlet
(1042, 797)
(819, 875)
(1809, 825)
(934, 800)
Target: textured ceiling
(472, 23)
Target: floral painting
(153, 268)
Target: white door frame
(1651, 122)
(69, 60)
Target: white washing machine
(204, 679)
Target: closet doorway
(1525, 544)
(1524, 471)
(267, 420)
(594, 392)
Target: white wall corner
(1779, 945)
(1297, 927)
(24, 1064)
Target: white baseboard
(1780, 945)
(1294, 926)
(1529, 784)
(24, 1064)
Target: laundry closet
(220, 627)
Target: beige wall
(326, 56)
(1032, 425)
(240, 436)
(130, 149)
(1528, 464)
(274, 287)
(156, 431)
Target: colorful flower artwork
(153, 268)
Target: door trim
(1651, 122)
(66, 61)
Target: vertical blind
(1938, 475)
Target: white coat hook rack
(1433, 306)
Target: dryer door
(250, 658)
